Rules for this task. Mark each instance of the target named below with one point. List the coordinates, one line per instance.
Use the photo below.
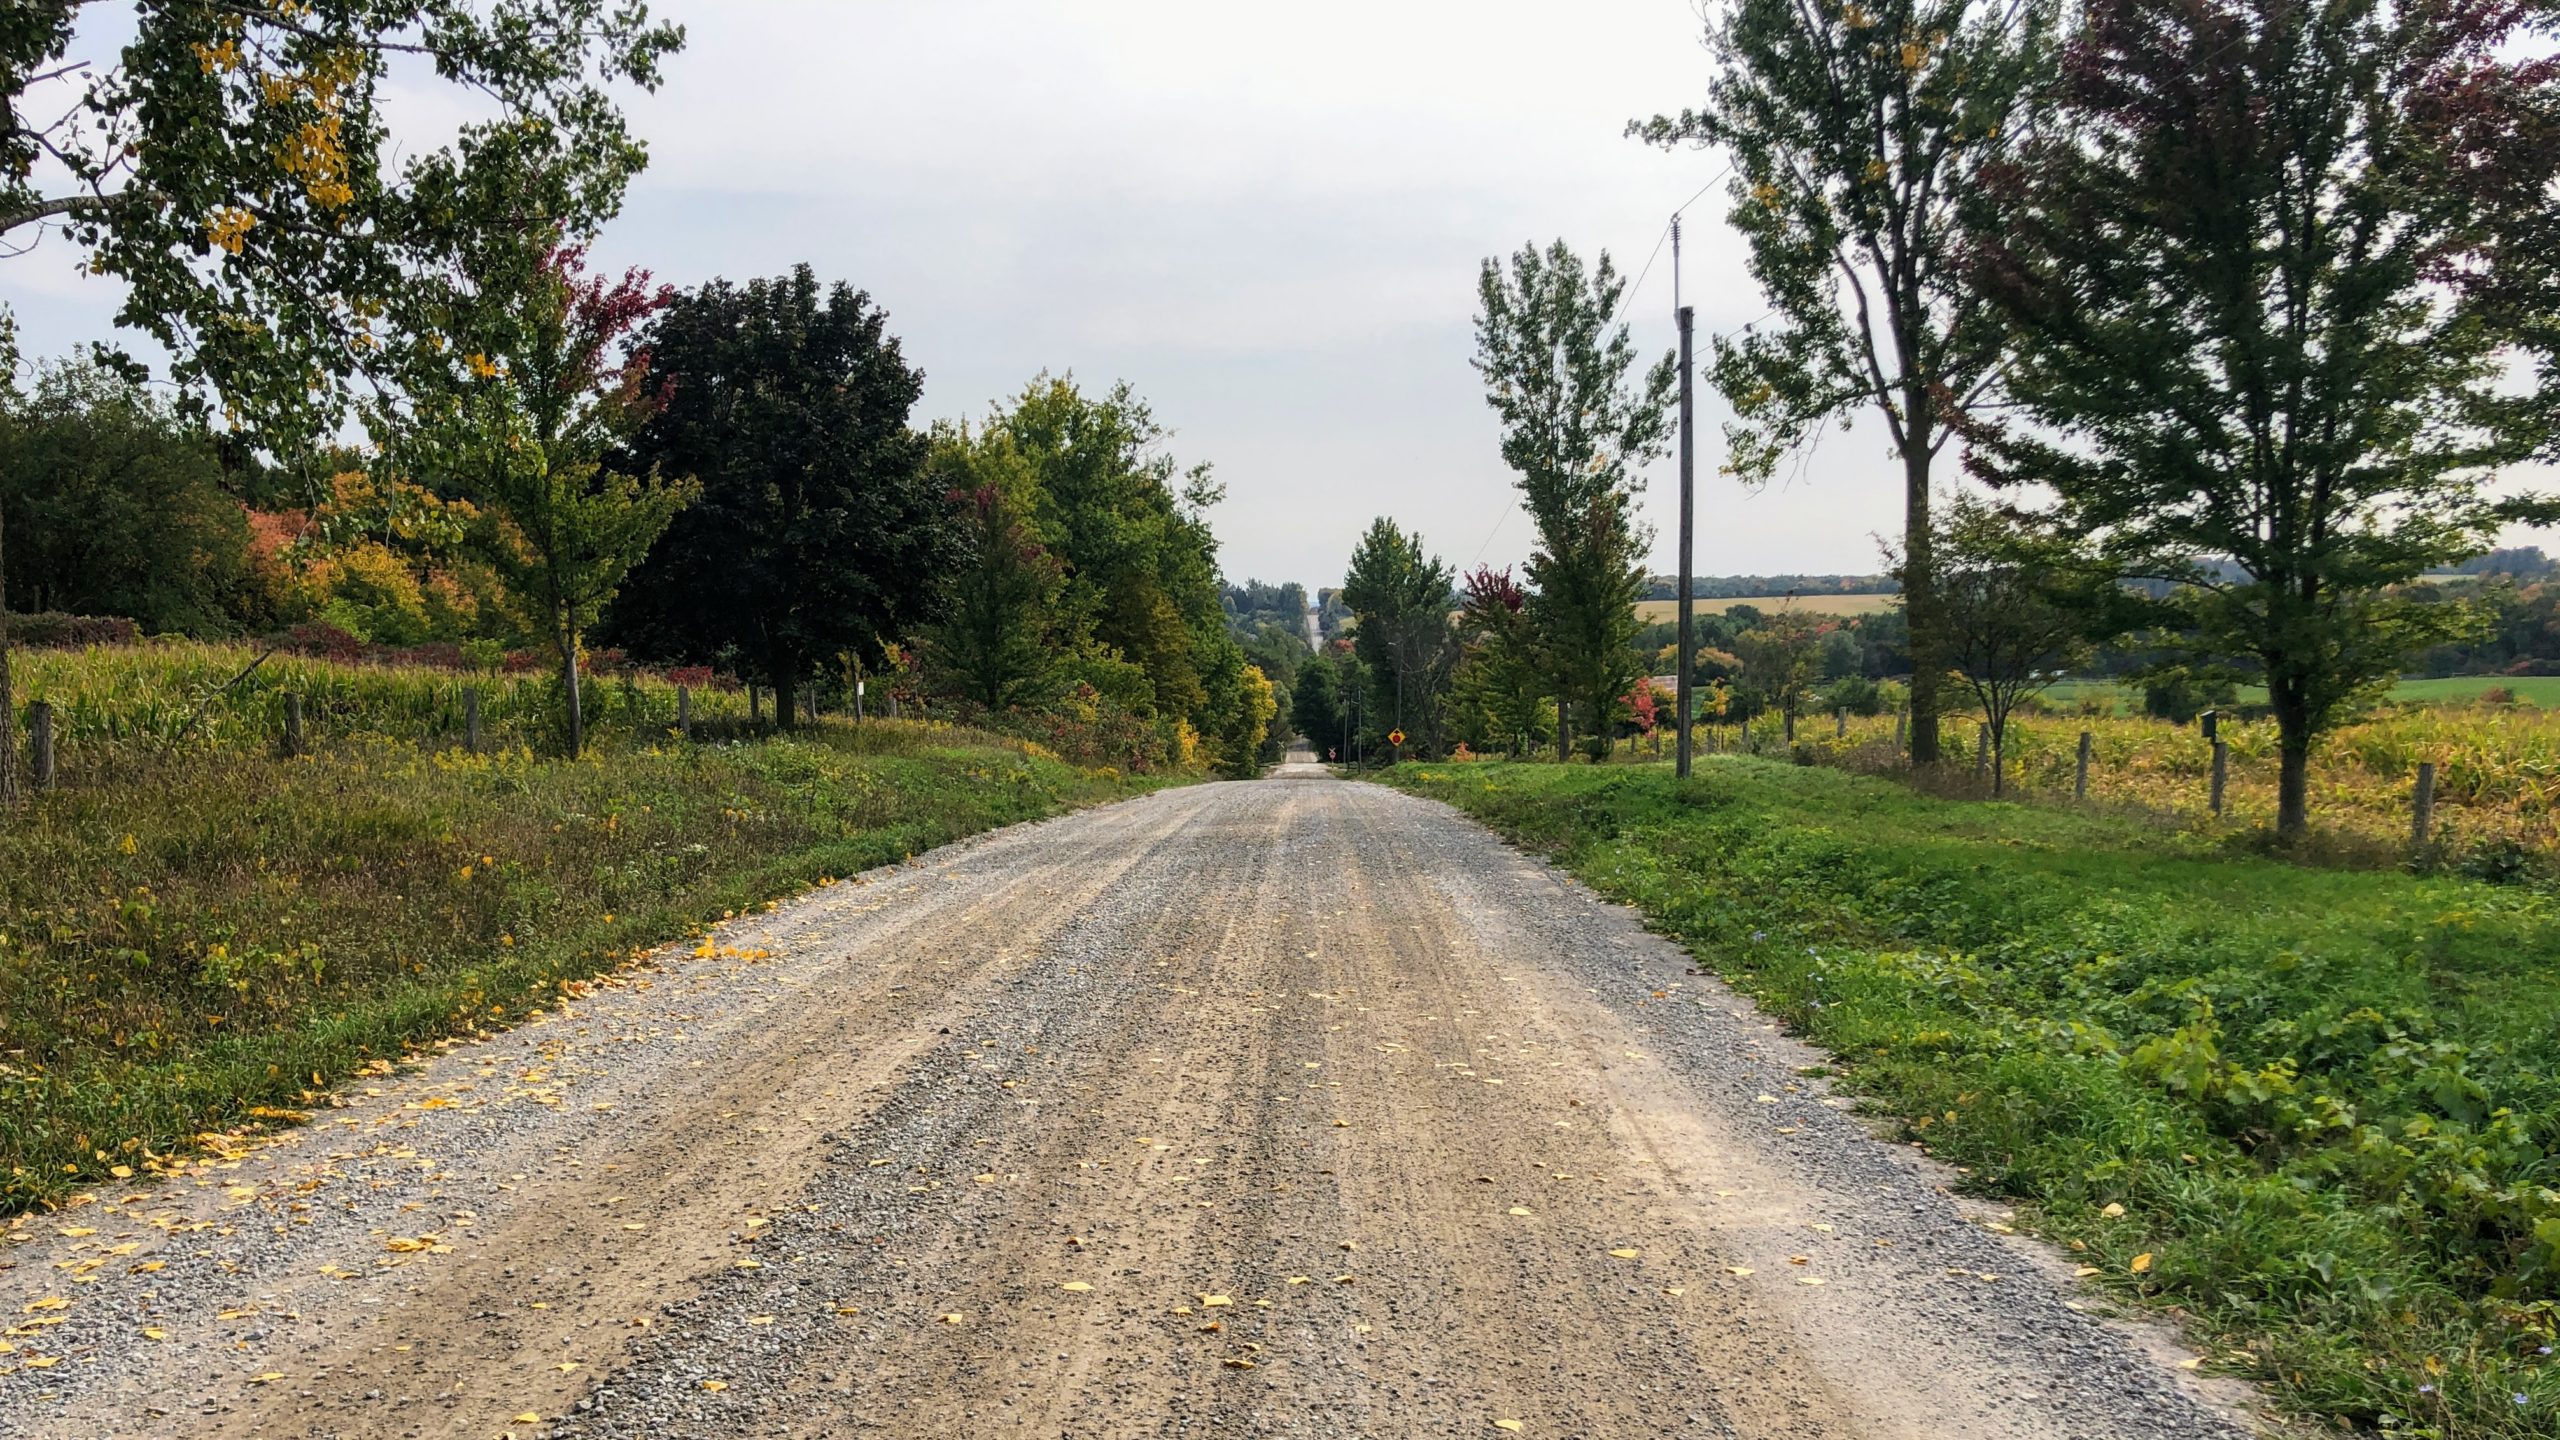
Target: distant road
(1293, 1107)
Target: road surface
(1295, 1107)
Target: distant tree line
(1732, 587)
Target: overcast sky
(1268, 219)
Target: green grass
(199, 941)
(2325, 1101)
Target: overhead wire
(1626, 297)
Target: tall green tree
(1002, 642)
(2022, 605)
(2235, 360)
(1315, 704)
(1575, 427)
(819, 534)
(1400, 593)
(532, 427)
(1860, 131)
(1129, 521)
(1497, 681)
(116, 506)
(235, 168)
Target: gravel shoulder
(1290, 1107)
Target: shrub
(53, 630)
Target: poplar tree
(1576, 427)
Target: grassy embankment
(2313, 1110)
(197, 938)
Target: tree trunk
(1564, 731)
(1920, 597)
(569, 686)
(786, 697)
(2293, 773)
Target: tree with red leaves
(529, 424)
(1498, 689)
(2234, 266)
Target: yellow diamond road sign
(1395, 737)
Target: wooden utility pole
(1688, 498)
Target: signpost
(1396, 739)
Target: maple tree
(532, 425)
(819, 537)
(2244, 353)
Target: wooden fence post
(1840, 722)
(471, 718)
(2080, 782)
(684, 711)
(40, 739)
(2423, 810)
(2221, 772)
(1901, 732)
(292, 724)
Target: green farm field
(1654, 612)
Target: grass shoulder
(199, 944)
(2311, 1110)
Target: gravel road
(1290, 1107)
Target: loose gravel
(1293, 1107)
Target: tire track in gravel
(1334, 1109)
(686, 1144)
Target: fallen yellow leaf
(1506, 1424)
(715, 1384)
(529, 1418)
(1626, 1254)
(268, 1378)
(1077, 1286)
(2141, 1262)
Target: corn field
(2497, 767)
(168, 695)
